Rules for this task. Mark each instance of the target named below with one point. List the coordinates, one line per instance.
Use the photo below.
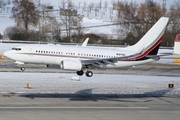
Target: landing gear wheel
(23, 69)
(89, 73)
(80, 73)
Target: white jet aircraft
(83, 58)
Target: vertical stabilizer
(150, 42)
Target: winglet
(85, 42)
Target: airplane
(83, 58)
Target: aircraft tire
(23, 69)
(80, 73)
(89, 73)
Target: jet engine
(71, 65)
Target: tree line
(35, 21)
(138, 19)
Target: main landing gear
(88, 73)
(22, 68)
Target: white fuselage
(54, 54)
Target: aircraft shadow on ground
(87, 95)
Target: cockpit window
(17, 49)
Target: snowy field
(98, 84)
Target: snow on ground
(98, 84)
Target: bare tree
(70, 19)
(154, 10)
(79, 4)
(56, 30)
(174, 15)
(70, 4)
(99, 4)
(63, 4)
(173, 28)
(136, 20)
(78, 30)
(105, 5)
(1, 36)
(46, 23)
(96, 10)
(25, 13)
(9, 31)
(1, 4)
(148, 13)
(126, 17)
(91, 7)
(84, 6)
(67, 18)
(16, 33)
(111, 13)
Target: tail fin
(85, 42)
(177, 44)
(150, 42)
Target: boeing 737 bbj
(83, 58)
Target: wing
(102, 62)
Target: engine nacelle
(71, 65)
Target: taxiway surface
(90, 107)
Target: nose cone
(7, 54)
